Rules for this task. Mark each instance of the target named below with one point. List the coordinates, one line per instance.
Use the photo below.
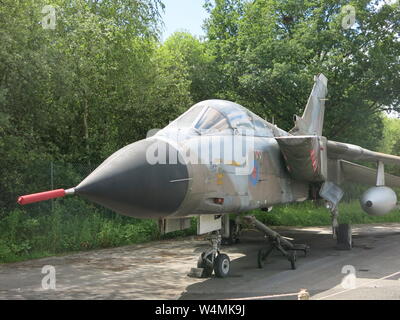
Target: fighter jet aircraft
(219, 158)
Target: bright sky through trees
(182, 15)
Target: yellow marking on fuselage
(229, 163)
(220, 176)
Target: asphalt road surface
(158, 270)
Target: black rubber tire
(260, 258)
(222, 266)
(207, 268)
(344, 236)
(292, 259)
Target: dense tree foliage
(269, 50)
(101, 79)
(76, 88)
(202, 71)
(96, 82)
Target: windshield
(186, 120)
(221, 116)
(212, 120)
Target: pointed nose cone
(128, 184)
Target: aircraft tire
(344, 236)
(292, 259)
(260, 258)
(222, 266)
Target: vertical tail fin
(312, 121)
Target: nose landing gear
(222, 266)
(212, 260)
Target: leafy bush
(76, 225)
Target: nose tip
(127, 183)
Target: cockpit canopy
(222, 117)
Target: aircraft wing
(351, 152)
(356, 173)
(315, 159)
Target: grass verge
(75, 225)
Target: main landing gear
(341, 232)
(344, 237)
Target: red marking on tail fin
(313, 160)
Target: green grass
(308, 214)
(75, 225)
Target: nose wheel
(222, 266)
(212, 260)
